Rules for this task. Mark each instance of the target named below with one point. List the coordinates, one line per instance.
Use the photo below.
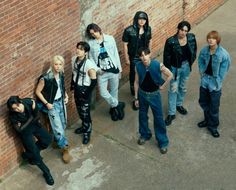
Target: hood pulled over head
(141, 15)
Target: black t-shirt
(141, 43)
(209, 67)
(148, 85)
(105, 62)
(186, 53)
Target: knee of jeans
(183, 85)
(174, 87)
(183, 88)
(104, 93)
(214, 110)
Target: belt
(149, 93)
(57, 100)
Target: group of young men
(98, 60)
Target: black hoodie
(131, 34)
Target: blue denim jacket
(220, 66)
(154, 69)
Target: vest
(154, 69)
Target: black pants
(83, 104)
(33, 147)
(210, 103)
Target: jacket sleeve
(125, 37)
(167, 54)
(116, 55)
(195, 48)
(224, 66)
(201, 63)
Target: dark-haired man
(148, 83)
(105, 54)
(23, 114)
(83, 82)
(179, 54)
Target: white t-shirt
(58, 94)
(84, 79)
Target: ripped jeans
(57, 117)
(177, 88)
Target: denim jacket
(220, 66)
(110, 46)
(154, 69)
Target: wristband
(46, 103)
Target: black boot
(46, 173)
(114, 114)
(86, 138)
(120, 109)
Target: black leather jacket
(50, 86)
(173, 51)
(131, 34)
(28, 119)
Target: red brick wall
(32, 31)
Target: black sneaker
(181, 110)
(202, 124)
(163, 150)
(169, 119)
(86, 138)
(48, 178)
(214, 133)
(120, 109)
(114, 114)
(141, 140)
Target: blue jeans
(178, 88)
(152, 99)
(57, 117)
(210, 103)
(112, 80)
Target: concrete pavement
(113, 160)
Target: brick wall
(32, 31)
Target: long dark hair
(94, 27)
(13, 100)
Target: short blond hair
(57, 58)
